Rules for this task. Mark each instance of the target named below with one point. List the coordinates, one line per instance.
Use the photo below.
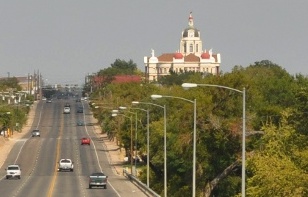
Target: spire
(191, 20)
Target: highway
(60, 138)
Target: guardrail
(148, 191)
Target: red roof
(119, 79)
(191, 58)
(126, 79)
(168, 57)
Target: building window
(191, 48)
(185, 48)
(197, 48)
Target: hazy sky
(67, 39)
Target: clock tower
(191, 41)
(191, 57)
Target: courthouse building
(191, 57)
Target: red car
(85, 140)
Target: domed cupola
(190, 31)
(205, 55)
(191, 40)
(178, 55)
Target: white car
(66, 164)
(36, 133)
(13, 171)
(67, 110)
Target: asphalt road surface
(60, 138)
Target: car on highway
(80, 123)
(80, 109)
(48, 100)
(36, 133)
(98, 179)
(13, 171)
(67, 110)
(85, 140)
(66, 165)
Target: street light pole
(148, 141)
(165, 143)
(115, 113)
(148, 148)
(194, 136)
(136, 135)
(243, 92)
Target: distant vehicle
(44, 99)
(80, 109)
(67, 110)
(48, 100)
(36, 133)
(66, 165)
(13, 171)
(98, 179)
(84, 98)
(78, 100)
(67, 105)
(85, 140)
(80, 123)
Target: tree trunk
(211, 185)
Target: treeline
(276, 130)
(13, 115)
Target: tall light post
(148, 131)
(243, 92)
(154, 96)
(165, 142)
(116, 113)
(136, 131)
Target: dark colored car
(80, 110)
(98, 179)
(80, 123)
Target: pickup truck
(98, 179)
(66, 164)
(13, 171)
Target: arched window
(191, 48)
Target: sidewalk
(6, 144)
